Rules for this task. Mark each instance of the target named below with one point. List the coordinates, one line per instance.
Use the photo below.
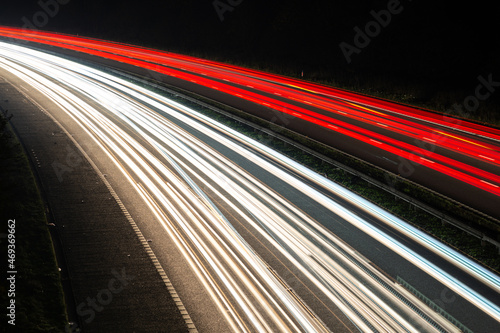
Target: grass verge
(484, 253)
(426, 95)
(39, 301)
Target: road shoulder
(115, 285)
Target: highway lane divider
(365, 171)
(300, 170)
(437, 305)
(487, 228)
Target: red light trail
(294, 97)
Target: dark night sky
(427, 42)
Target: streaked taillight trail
(185, 182)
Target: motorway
(454, 157)
(274, 246)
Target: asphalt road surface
(251, 240)
(452, 156)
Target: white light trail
(185, 181)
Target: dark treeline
(430, 50)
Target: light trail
(185, 181)
(399, 119)
(191, 64)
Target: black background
(433, 50)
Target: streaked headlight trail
(465, 155)
(204, 200)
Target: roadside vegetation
(38, 296)
(484, 253)
(426, 95)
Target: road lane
(302, 107)
(175, 172)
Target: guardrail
(445, 219)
